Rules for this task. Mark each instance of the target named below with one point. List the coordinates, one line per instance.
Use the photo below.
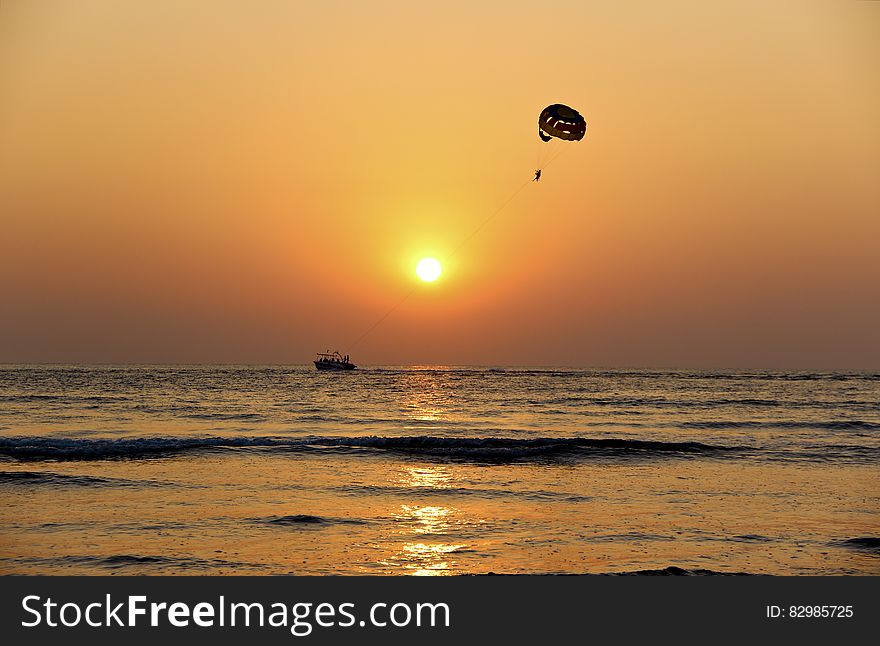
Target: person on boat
(537, 176)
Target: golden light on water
(427, 557)
(429, 269)
(427, 476)
(425, 400)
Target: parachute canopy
(562, 122)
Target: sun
(429, 269)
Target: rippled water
(436, 471)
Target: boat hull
(334, 365)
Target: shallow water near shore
(436, 470)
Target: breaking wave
(478, 449)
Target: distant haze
(255, 182)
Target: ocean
(437, 471)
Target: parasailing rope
(564, 115)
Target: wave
(29, 398)
(672, 570)
(226, 417)
(131, 561)
(65, 399)
(632, 404)
(627, 537)
(851, 424)
(538, 495)
(68, 480)
(750, 538)
(864, 543)
(642, 537)
(296, 520)
(477, 449)
(501, 447)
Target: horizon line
(647, 368)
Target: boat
(333, 361)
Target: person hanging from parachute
(559, 121)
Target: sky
(230, 182)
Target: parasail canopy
(561, 122)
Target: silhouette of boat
(333, 361)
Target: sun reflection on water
(422, 528)
(425, 520)
(425, 400)
(432, 477)
(428, 559)
(425, 557)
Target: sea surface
(437, 471)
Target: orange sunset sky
(254, 182)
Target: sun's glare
(429, 269)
